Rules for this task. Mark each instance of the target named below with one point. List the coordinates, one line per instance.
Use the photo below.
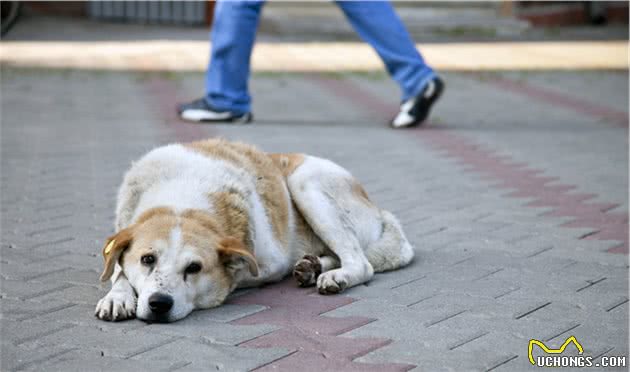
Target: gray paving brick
(202, 356)
(202, 325)
(70, 275)
(19, 332)
(110, 343)
(18, 289)
(30, 271)
(15, 358)
(76, 360)
(21, 310)
(229, 312)
(77, 294)
(89, 262)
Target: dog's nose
(160, 303)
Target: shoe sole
(200, 116)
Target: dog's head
(177, 262)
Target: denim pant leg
(377, 23)
(233, 34)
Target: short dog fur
(196, 221)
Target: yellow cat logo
(552, 351)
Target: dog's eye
(193, 268)
(148, 259)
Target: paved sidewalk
(515, 197)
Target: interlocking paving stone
(304, 361)
(78, 294)
(21, 310)
(202, 326)
(77, 360)
(16, 358)
(20, 332)
(208, 356)
(33, 270)
(19, 289)
(121, 344)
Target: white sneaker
(200, 111)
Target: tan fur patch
(303, 230)
(147, 215)
(113, 249)
(202, 233)
(198, 227)
(153, 224)
(270, 183)
(218, 149)
(287, 163)
(233, 216)
(202, 219)
(157, 225)
(231, 251)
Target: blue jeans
(234, 31)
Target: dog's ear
(235, 256)
(113, 248)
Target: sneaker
(415, 110)
(199, 110)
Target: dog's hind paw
(331, 282)
(116, 306)
(307, 270)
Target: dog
(196, 221)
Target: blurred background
(563, 41)
(429, 22)
(426, 20)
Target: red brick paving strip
(512, 175)
(297, 311)
(529, 184)
(562, 100)
(163, 99)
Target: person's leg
(233, 35)
(377, 24)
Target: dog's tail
(392, 250)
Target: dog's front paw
(116, 306)
(332, 282)
(307, 270)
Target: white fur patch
(176, 236)
(273, 262)
(176, 177)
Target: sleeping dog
(196, 221)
